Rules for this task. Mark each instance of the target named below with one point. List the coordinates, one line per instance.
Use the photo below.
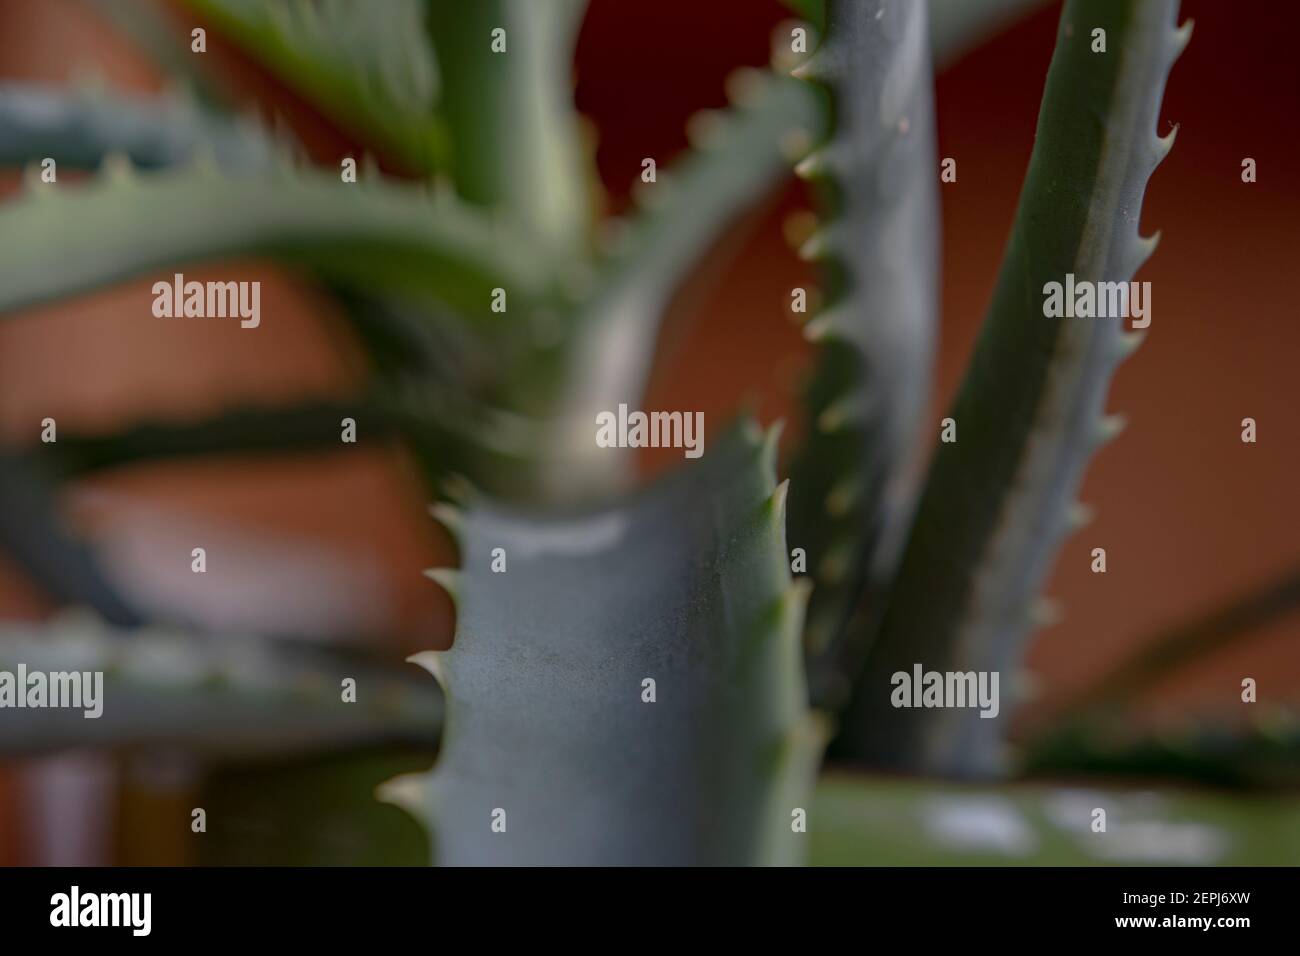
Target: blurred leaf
(864, 821)
(275, 430)
(219, 695)
(515, 140)
(1213, 752)
(34, 535)
(374, 74)
(150, 25)
(78, 128)
(1189, 641)
(739, 156)
(378, 235)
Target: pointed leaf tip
(842, 497)
(447, 578)
(777, 501)
(431, 661)
(1182, 36)
(811, 166)
(1165, 143)
(819, 328)
(744, 85)
(406, 791)
(793, 605)
(1109, 426)
(815, 247)
(1130, 341)
(449, 516)
(705, 129)
(836, 415)
(1045, 612)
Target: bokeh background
(332, 543)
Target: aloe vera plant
(636, 675)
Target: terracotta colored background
(1187, 513)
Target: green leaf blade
(852, 483)
(79, 128)
(373, 74)
(687, 585)
(1030, 413)
(374, 236)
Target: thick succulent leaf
(853, 484)
(372, 72)
(859, 821)
(515, 138)
(224, 695)
(78, 128)
(1031, 410)
(34, 536)
(737, 157)
(378, 236)
(686, 585)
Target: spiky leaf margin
(854, 478)
(687, 584)
(1031, 411)
(78, 128)
(377, 235)
(370, 70)
(736, 157)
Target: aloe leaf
(515, 139)
(450, 433)
(852, 482)
(32, 533)
(224, 695)
(377, 236)
(686, 585)
(150, 26)
(373, 74)
(1031, 410)
(737, 157)
(79, 128)
(865, 821)
(1159, 656)
(241, 430)
(1210, 751)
